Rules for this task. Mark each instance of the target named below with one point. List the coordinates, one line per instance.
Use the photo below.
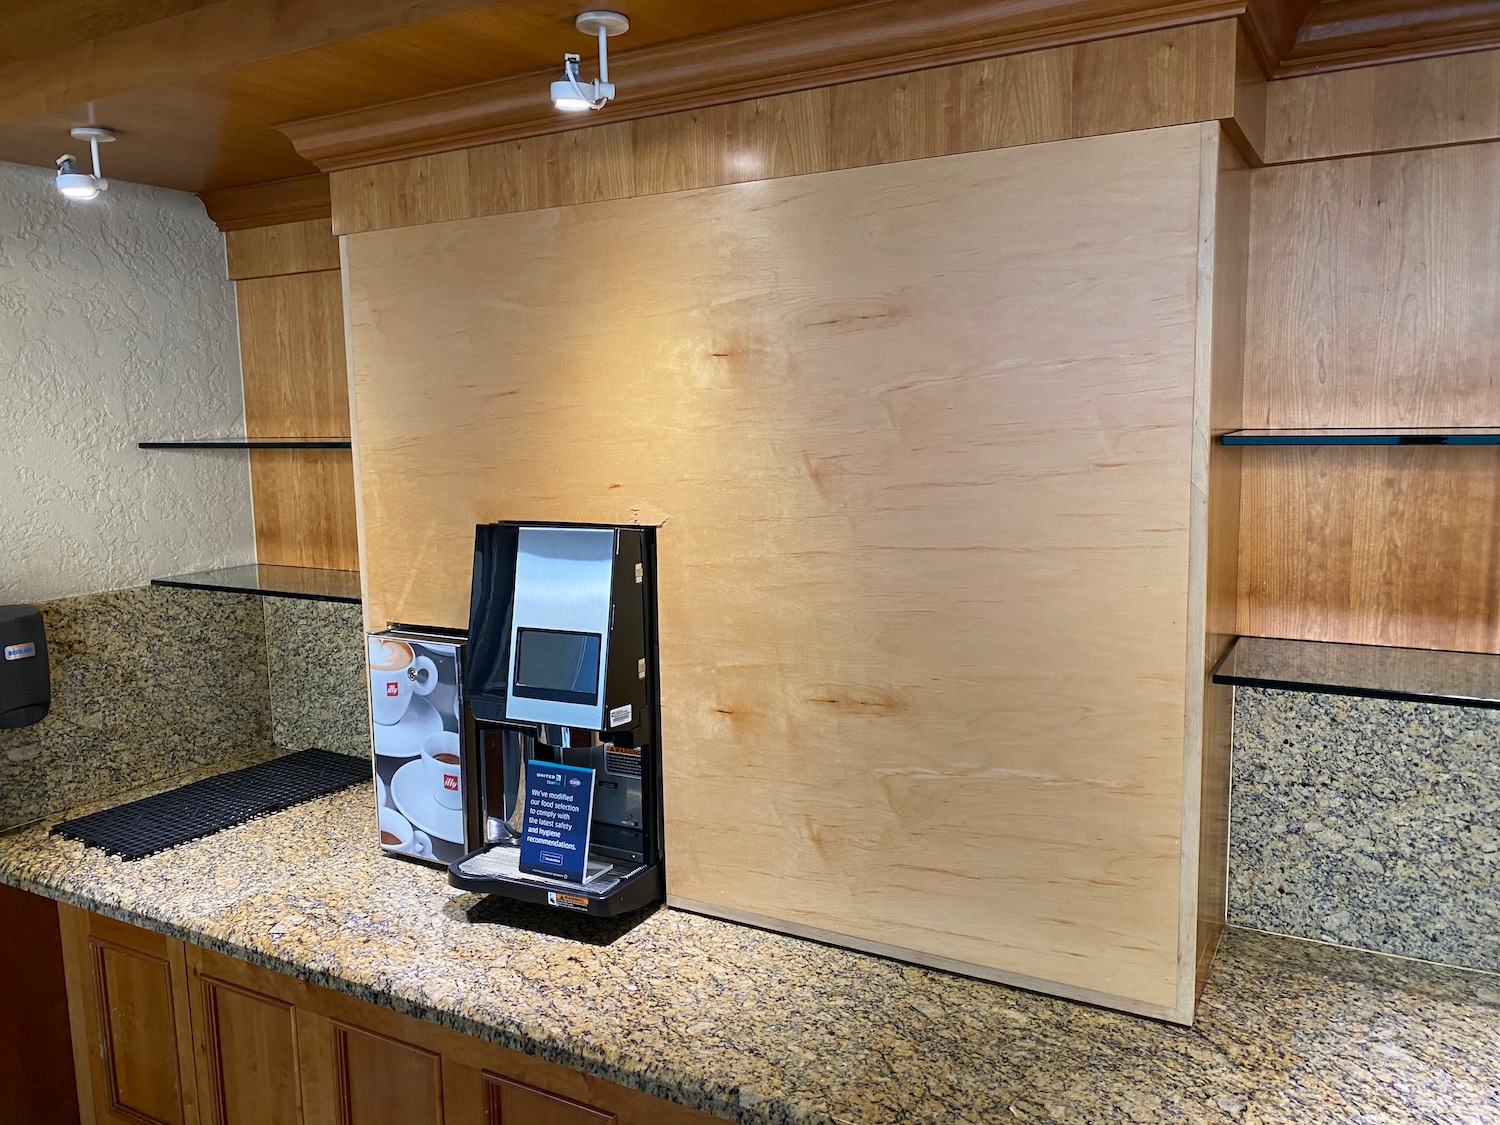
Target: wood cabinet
(175, 1034)
(36, 1054)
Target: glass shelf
(1415, 435)
(305, 582)
(250, 443)
(1463, 679)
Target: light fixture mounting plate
(611, 23)
(92, 133)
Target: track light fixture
(572, 94)
(80, 185)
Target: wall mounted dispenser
(25, 683)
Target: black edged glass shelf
(1414, 675)
(306, 582)
(249, 443)
(1412, 435)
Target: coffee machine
(561, 683)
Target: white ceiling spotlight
(80, 185)
(569, 92)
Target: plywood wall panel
(292, 355)
(296, 385)
(1375, 285)
(1223, 277)
(1453, 99)
(1374, 289)
(304, 508)
(300, 247)
(1385, 545)
(1156, 78)
(921, 477)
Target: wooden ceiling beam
(868, 40)
(190, 42)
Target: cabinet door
(127, 999)
(247, 1055)
(511, 1103)
(355, 1076)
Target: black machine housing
(612, 727)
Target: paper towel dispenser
(25, 683)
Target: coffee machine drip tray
(612, 888)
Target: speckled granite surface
(315, 659)
(1368, 822)
(143, 687)
(759, 1027)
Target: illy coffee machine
(562, 778)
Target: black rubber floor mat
(202, 808)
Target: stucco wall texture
(117, 324)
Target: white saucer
(412, 796)
(404, 739)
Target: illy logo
(450, 782)
(392, 689)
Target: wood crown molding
(1341, 35)
(269, 204)
(1271, 28)
(869, 40)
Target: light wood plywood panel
(1223, 277)
(292, 355)
(1156, 78)
(920, 439)
(303, 504)
(296, 385)
(1374, 288)
(1453, 99)
(1386, 545)
(302, 247)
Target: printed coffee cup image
(441, 759)
(396, 674)
(395, 830)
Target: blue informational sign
(559, 813)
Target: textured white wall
(116, 325)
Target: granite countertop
(759, 1027)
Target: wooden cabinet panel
(127, 998)
(510, 1103)
(273, 1050)
(36, 1053)
(382, 1081)
(134, 992)
(247, 1056)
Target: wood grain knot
(854, 316)
(855, 700)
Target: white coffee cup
(398, 828)
(443, 763)
(396, 674)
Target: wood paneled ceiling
(196, 88)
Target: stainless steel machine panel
(561, 618)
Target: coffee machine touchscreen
(551, 664)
